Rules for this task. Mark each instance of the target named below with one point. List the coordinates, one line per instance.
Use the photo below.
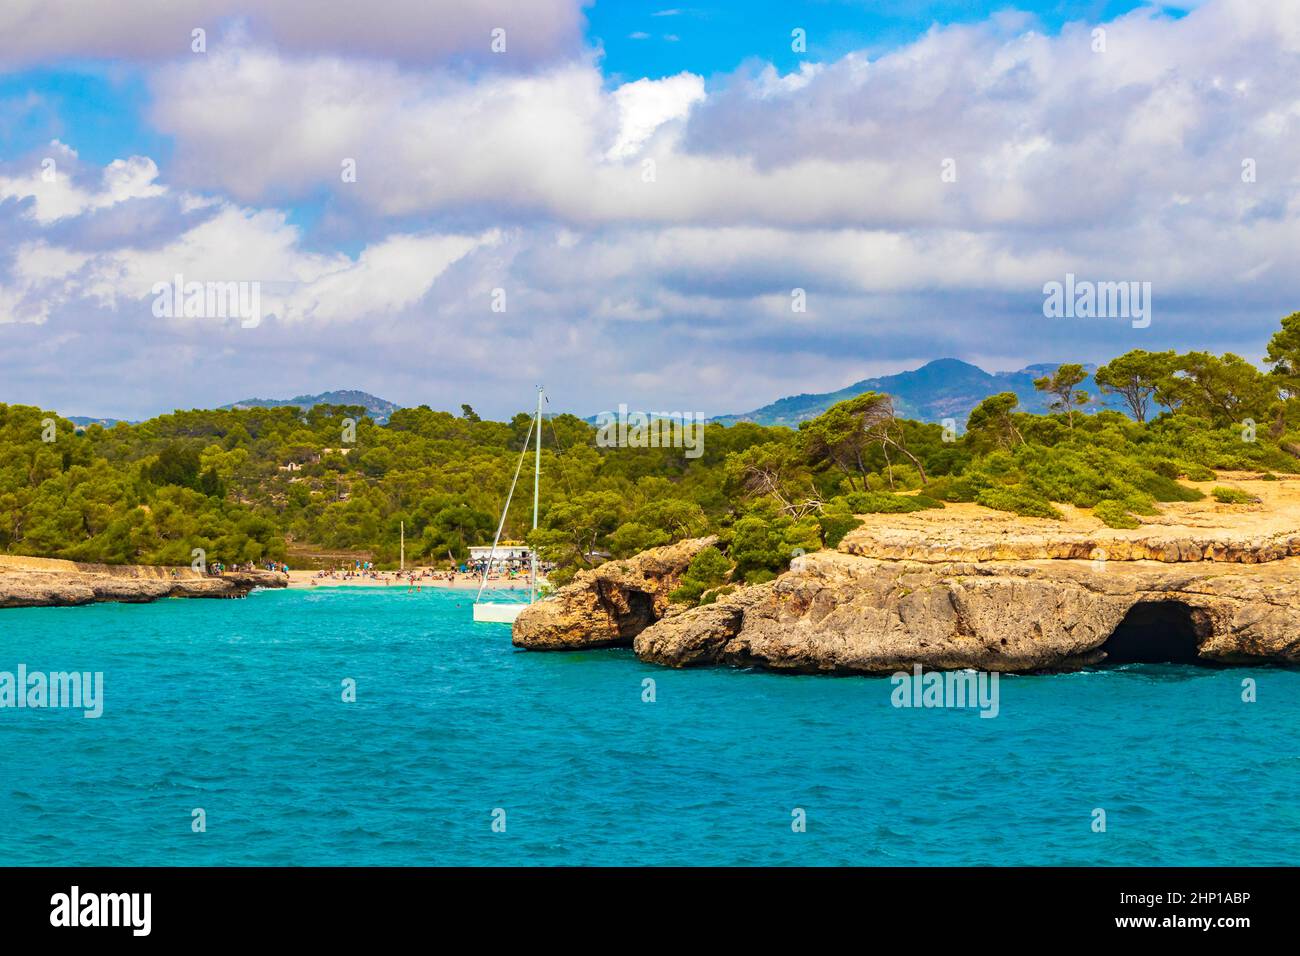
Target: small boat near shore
(505, 612)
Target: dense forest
(309, 485)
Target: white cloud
(230, 244)
(39, 277)
(386, 278)
(57, 196)
(645, 105)
(1043, 132)
(1122, 165)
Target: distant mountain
(377, 408)
(82, 421)
(944, 388)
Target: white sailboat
(505, 612)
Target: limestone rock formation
(609, 605)
(967, 587)
(840, 613)
(45, 582)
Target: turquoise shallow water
(235, 707)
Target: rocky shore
(45, 582)
(609, 605)
(965, 587)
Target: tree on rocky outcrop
(1223, 390)
(708, 570)
(841, 436)
(658, 522)
(992, 422)
(775, 471)
(762, 545)
(1136, 376)
(577, 528)
(1284, 353)
(1063, 396)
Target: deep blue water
(235, 707)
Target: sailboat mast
(537, 475)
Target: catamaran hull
(497, 613)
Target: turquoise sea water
(235, 707)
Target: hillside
(380, 410)
(944, 388)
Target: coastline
(390, 580)
(965, 587)
(54, 582)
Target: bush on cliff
(1232, 496)
(762, 544)
(952, 488)
(884, 502)
(835, 526)
(711, 597)
(1114, 515)
(1017, 500)
(708, 570)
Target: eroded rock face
(43, 582)
(966, 587)
(610, 605)
(841, 613)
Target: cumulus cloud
(211, 240)
(55, 194)
(649, 235)
(645, 105)
(1041, 132)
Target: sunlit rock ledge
(1183, 531)
(965, 587)
(47, 582)
(840, 613)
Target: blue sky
(628, 198)
(100, 107)
(658, 39)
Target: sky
(699, 208)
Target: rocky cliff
(965, 587)
(44, 582)
(610, 604)
(839, 613)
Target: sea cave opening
(1157, 632)
(640, 613)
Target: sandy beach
(390, 579)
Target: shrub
(712, 596)
(835, 527)
(883, 502)
(1016, 500)
(707, 570)
(1232, 496)
(1163, 488)
(1114, 515)
(952, 488)
(762, 546)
